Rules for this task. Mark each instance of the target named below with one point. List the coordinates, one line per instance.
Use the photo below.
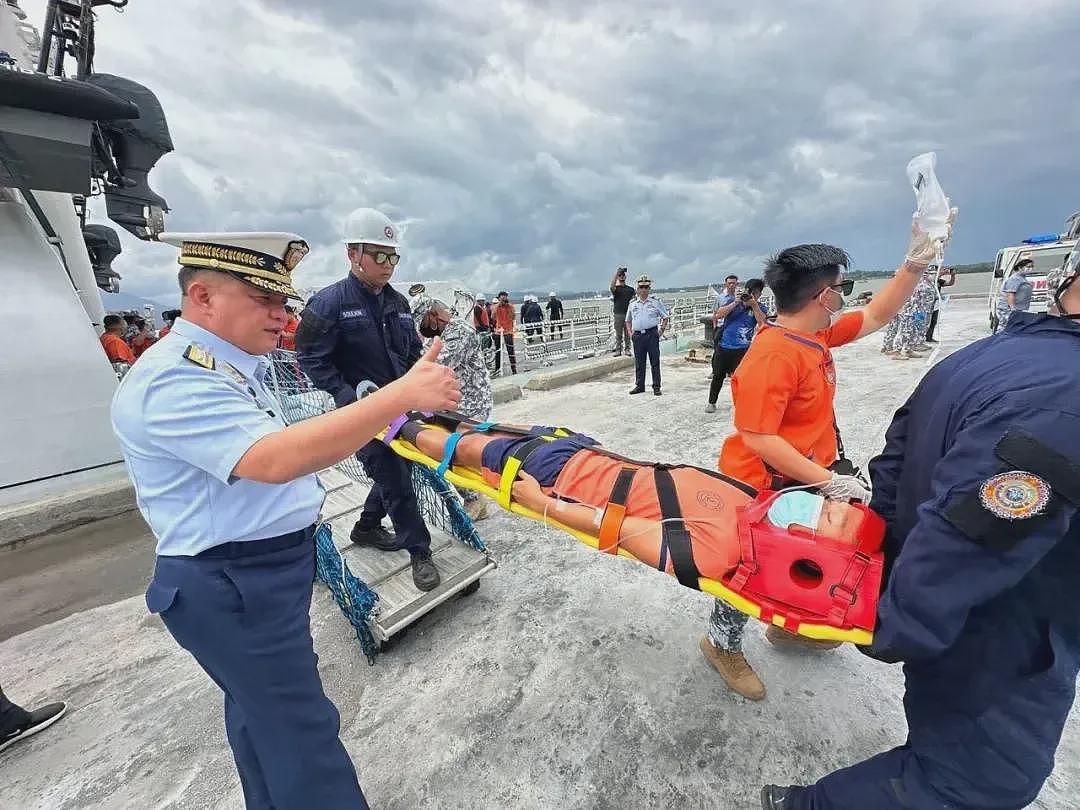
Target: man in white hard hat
(229, 491)
(482, 322)
(554, 309)
(361, 329)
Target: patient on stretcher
(573, 481)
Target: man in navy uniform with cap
(647, 318)
(979, 483)
(361, 329)
(230, 493)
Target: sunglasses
(382, 257)
(845, 287)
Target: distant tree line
(859, 275)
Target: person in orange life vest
(785, 428)
(571, 480)
(504, 331)
(480, 314)
(288, 332)
(143, 338)
(116, 348)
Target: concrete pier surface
(570, 680)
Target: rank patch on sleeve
(1015, 495)
(199, 356)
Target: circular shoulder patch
(1015, 495)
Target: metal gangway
(374, 589)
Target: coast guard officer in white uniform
(230, 494)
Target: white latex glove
(923, 249)
(845, 488)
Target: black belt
(251, 548)
(645, 331)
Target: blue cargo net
(438, 501)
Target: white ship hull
(56, 381)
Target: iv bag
(931, 204)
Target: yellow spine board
(471, 479)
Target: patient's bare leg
(469, 449)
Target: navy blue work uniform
(644, 319)
(235, 561)
(979, 483)
(349, 334)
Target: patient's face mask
(797, 508)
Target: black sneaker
(774, 797)
(18, 724)
(637, 390)
(376, 537)
(425, 575)
(656, 392)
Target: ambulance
(1047, 251)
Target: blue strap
(480, 427)
(448, 454)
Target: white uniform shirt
(183, 425)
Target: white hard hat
(551, 294)
(480, 297)
(366, 226)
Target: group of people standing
(495, 322)
(126, 337)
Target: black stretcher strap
(621, 490)
(676, 539)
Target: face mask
(833, 313)
(802, 508)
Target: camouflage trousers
(889, 338)
(726, 625)
(910, 333)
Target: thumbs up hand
(429, 386)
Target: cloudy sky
(539, 144)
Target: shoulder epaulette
(199, 356)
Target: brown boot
(780, 637)
(735, 670)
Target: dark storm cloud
(540, 144)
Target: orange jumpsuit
(116, 349)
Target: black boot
(16, 723)
(375, 536)
(774, 797)
(425, 575)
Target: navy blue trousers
(392, 493)
(995, 755)
(246, 622)
(647, 344)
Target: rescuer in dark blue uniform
(358, 329)
(979, 483)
